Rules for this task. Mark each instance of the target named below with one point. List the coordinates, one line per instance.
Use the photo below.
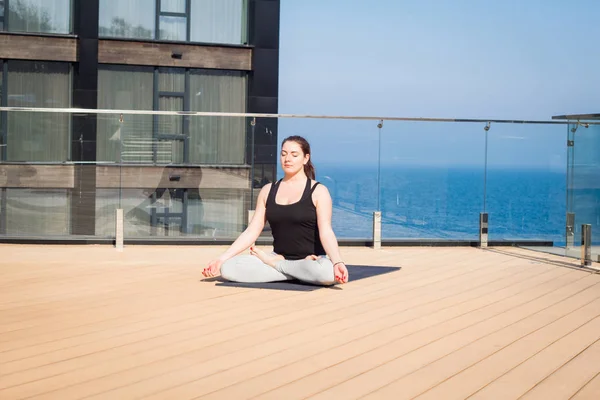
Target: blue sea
(444, 203)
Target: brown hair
(309, 168)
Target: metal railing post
(483, 230)
(586, 245)
(570, 230)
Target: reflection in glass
(48, 16)
(173, 28)
(172, 212)
(37, 212)
(127, 19)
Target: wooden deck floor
(452, 323)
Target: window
(38, 136)
(171, 139)
(218, 21)
(125, 88)
(134, 19)
(205, 21)
(3, 102)
(2, 5)
(171, 131)
(173, 19)
(45, 16)
(219, 140)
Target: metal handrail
(86, 111)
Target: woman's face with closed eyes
(292, 158)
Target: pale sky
(509, 59)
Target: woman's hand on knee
(213, 269)
(340, 272)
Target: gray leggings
(250, 269)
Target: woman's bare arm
(256, 226)
(324, 206)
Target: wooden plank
(357, 370)
(186, 352)
(150, 177)
(31, 47)
(527, 374)
(232, 318)
(541, 326)
(590, 390)
(363, 327)
(284, 371)
(160, 54)
(476, 376)
(66, 273)
(360, 374)
(88, 321)
(571, 378)
(37, 176)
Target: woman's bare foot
(269, 259)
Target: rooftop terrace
(449, 322)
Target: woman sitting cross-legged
(298, 210)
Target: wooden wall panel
(29, 47)
(37, 176)
(130, 177)
(160, 54)
(63, 176)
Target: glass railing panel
(37, 137)
(184, 176)
(583, 183)
(432, 179)
(35, 179)
(526, 182)
(107, 173)
(36, 212)
(49, 174)
(345, 156)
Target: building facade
(62, 175)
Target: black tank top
(294, 226)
